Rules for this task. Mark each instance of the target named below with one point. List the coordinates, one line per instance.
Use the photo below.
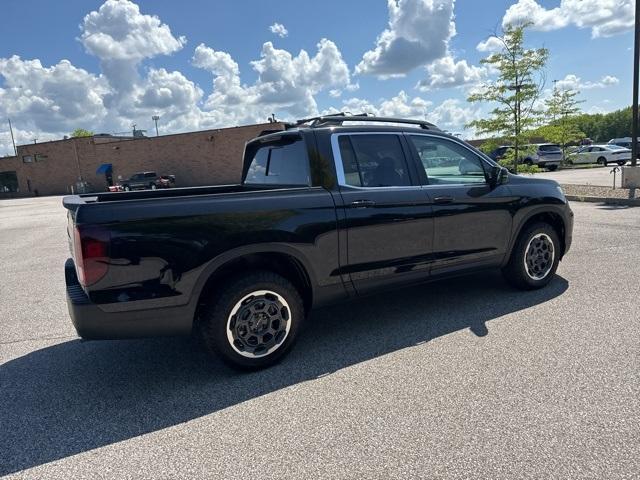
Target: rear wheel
(622, 163)
(253, 321)
(153, 186)
(602, 161)
(552, 168)
(534, 258)
(127, 188)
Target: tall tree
(516, 90)
(81, 132)
(561, 108)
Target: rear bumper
(93, 323)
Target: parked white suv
(545, 155)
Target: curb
(630, 202)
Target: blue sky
(124, 64)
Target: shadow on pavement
(76, 396)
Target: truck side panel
(163, 261)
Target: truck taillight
(90, 245)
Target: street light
(155, 118)
(636, 60)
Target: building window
(40, 157)
(8, 182)
(27, 158)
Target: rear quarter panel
(162, 250)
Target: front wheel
(552, 168)
(622, 163)
(534, 258)
(253, 321)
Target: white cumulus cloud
(490, 45)
(604, 17)
(418, 33)
(279, 30)
(573, 82)
(446, 72)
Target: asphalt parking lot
(462, 379)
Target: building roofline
(124, 139)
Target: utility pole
(155, 118)
(636, 61)
(15, 150)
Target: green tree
(515, 92)
(562, 107)
(81, 132)
(603, 127)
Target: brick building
(207, 157)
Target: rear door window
(279, 163)
(373, 160)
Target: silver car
(544, 155)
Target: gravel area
(597, 191)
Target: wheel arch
(552, 218)
(277, 259)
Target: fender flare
(236, 253)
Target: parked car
(602, 154)
(500, 152)
(147, 180)
(544, 155)
(166, 181)
(327, 210)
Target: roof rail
(340, 118)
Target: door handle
(362, 203)
(443, 199)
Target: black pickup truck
(327, 210)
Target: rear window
(549, 148)
(281, 163)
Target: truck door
(472, 220)
(387, 216)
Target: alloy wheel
(539, 256)
(258, 324)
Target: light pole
(636, 60)
(155, 118)
(15, 150)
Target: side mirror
(497, 175)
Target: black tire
(127, 188)
(516, 273)
(216, 319)
(552, 168)
(602, 161)
(528, 161)
(622, 163)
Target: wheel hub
(539, 256)
(258, 324)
